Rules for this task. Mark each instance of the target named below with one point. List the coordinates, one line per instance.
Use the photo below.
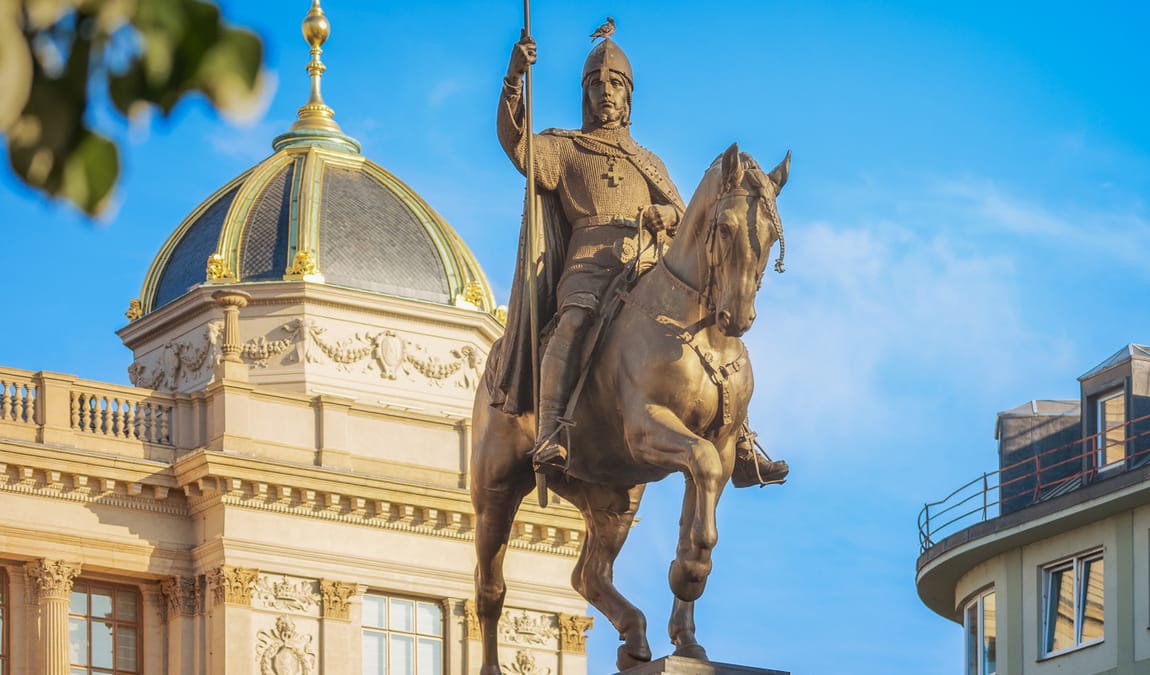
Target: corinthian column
(51, 581)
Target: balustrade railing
(1031, 480)
(18, 395)
(45, 405)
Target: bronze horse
(667, 392)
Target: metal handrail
(932, 527)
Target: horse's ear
(780, 173)
(732, 168)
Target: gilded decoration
(337, 597)
(286, 594)
(303, 264)
(528, 628)
(282, 650)
(216, 268)
(135, 309)
(232, 585)
(179, 597)
(524, 664)
(573, 633)
(51, 579)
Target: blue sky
(967, 229)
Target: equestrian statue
(629, 314)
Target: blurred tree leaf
(55, 53)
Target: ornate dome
(317, 210)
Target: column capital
(573, 633)
(232, 585)
(337, 597)
(51, 579)
(179, 597)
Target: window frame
(1101, 442)
(978, 604)
(1075, 565)
(415, 633)
(87, 586)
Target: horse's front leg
(657, 436)
(681, 628)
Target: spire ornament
(315, 124)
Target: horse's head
(744, 226)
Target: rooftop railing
(1032, 480)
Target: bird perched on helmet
(605, 31)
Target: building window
(981, 628)
(1073, 609)
(103, 629)
(1111, 440)
(402, 636)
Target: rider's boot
(558, 371)
(755, 467)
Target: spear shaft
(531, 213)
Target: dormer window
(1110, 443)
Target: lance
(531, 214)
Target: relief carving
(573, 633)
(283, 651)
(286, 595)
(51, 579)
(232, 585)
(525, 665)
(337, 597)
(180, 361)
(527, 628)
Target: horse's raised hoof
(688, 579)
(625, 659)
(694, 650)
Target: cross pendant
(613, 179)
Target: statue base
(678, 665)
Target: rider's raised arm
(509, 123)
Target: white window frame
(415, 633)
(1075, 566)
(1100, 441)
(978, 604)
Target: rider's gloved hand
(658, 217)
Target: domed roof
(317, 210)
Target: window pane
(1060, 609)
(1091, 616)
(403, 615)
(430, 656)
(402, 660)
(77, 641)
(102, 604)
(989, 635)
(375, 611)
(374, 653)
(77, 671)
(78, 604)
(1112, 416)
(126, 606)
(971, 631)
(126, 649)
(430, 619)
(102, 654)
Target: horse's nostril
(724, 319)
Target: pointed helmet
(605, 57)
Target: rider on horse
(600, 190)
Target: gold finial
(315, 114)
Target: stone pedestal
(677, 665)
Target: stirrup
(774, 473)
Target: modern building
(284, 488)
(1046, 561)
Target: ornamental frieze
(283, 650)
(179, 361)
(528, 628)
(286, 594)
(525, 664)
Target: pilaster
(54, 402)
(179, 614)
(332, 420)
(229, 630)
(338, 633)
